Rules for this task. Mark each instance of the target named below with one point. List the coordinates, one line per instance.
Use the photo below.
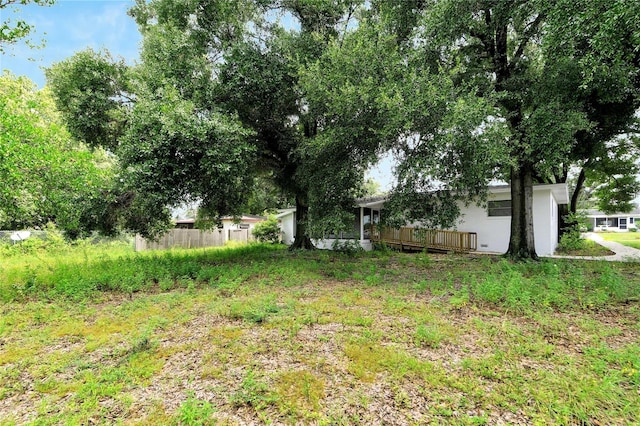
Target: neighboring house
(616, 222)
(491, 224)
(185, 224)
(287, 220)
(246, 221)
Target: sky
(67, 27)
(70, 26)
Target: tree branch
(528, 33)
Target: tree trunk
(521, 242)
(576, 192)
(564, 210)
(302, 240)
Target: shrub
(572, 239)
(267, 231)
(348, 247)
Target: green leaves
(12, 32)
(46, 176)
(92, 91)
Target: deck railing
(418, 238)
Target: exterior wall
(327, 243)
(232, 232)
(229, 225)
(493, 232)
(288, 227)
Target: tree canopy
(528, 65)
(463, 93)
(13, 31)
(46, 176)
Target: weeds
(253, 393)
(195, 412)
(261, 335)
(428, 335)
(254, 311)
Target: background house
(245, 222)
(616, 222)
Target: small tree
(267, 231)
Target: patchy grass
(261, 335)
(630, 239)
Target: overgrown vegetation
(571, 239)
(259, 334)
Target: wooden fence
(193, 238)
(417, 239)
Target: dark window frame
(499, 208)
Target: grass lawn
(631, 239)
(257, 335)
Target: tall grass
(86, 272)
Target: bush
(349, 247)
(267, 231)
(572, 239)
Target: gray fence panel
(192, 238)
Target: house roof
(559, 191)
(596, 213)
(285, 212)
(184, 221)
(375, 202)
(244, 218)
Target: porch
(409, 238)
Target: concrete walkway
(622, 252)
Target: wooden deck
(408, 238)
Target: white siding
(493, 232)
(327, 244)
(288, 227)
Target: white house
(616, 222)
(287, 220)
(490, 223)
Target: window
(631, 219)
(243, 226)
(499, 208)
(607, 222)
